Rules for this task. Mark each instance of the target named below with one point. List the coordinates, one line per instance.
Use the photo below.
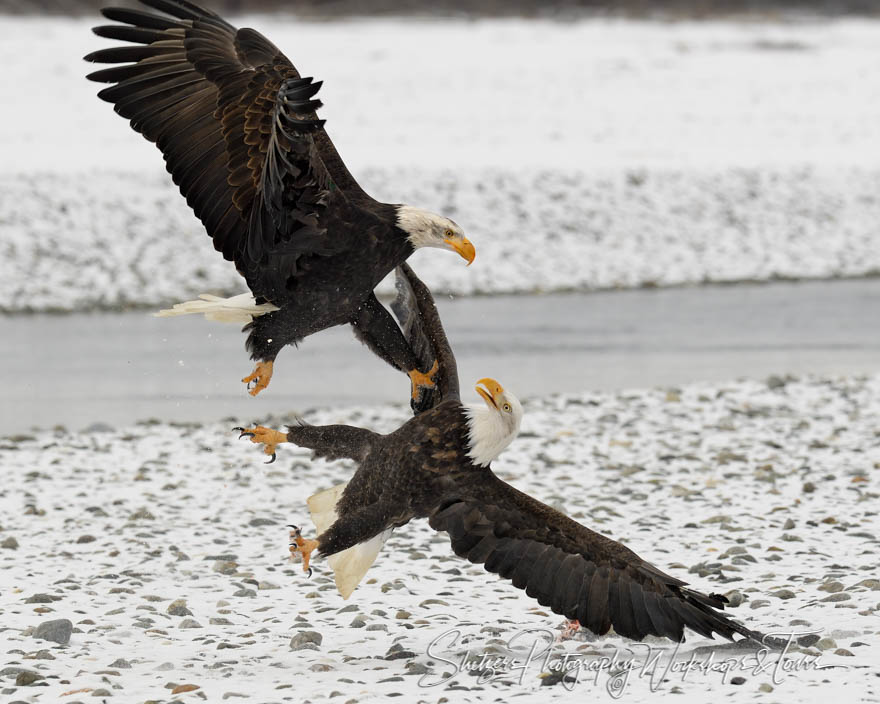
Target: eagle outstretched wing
(236, 124)
(417, 313)
(573, 570)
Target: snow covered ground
(764, 491)
(579, 155)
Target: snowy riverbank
(766, 491)
(595, 154)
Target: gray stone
(178, 608)
(121, 663)
(808, 640)
(826, 643)
(306, 640)
(400, 655)
(10, 543)
(27, 677)
(783, 594)
(225, 566)
(11, 670)
(831, 587)
(189, 623)
(99, 428)
(872, 584)
(58, 631)
(40, 599)
(737, 680)
(416, 668)
(142, 514)
(255, 522)
(840, 596)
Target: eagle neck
(488, 436)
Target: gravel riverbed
(150, 562)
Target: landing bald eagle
(237, 126)
(438, 466)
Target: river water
(116, 368)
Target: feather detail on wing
(349, 566)
(572, 570)
(236, 124)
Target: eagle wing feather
(237, 126)
(571, 569)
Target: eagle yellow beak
(493, 394)
(464, 248)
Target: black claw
(239, 429)
(271, 460)
(290, 525)
(310, 572)
(245, 434)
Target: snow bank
(585, 155)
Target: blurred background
(659, 192)
(480, 8)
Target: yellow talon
(304, 547)
(265, 436)
(418, 380)
(261, 376)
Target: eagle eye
(506, 407)
(449, 233)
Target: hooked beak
(493, 394)
(463, 247)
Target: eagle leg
(304, 547)
(571, 628)
(265, 436)
(418, 379)
(261, 376)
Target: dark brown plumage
(428, 468)
(422, 470)
(238, 128)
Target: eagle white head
(427, 229)
(493, 427)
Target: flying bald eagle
(237, 126)
(438, 466)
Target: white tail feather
(349, 566)
(238, 309)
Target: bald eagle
(237, 127)
(437, 466)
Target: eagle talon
(419, 379)
(264, 436)
(260, 377)
(302, 547)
